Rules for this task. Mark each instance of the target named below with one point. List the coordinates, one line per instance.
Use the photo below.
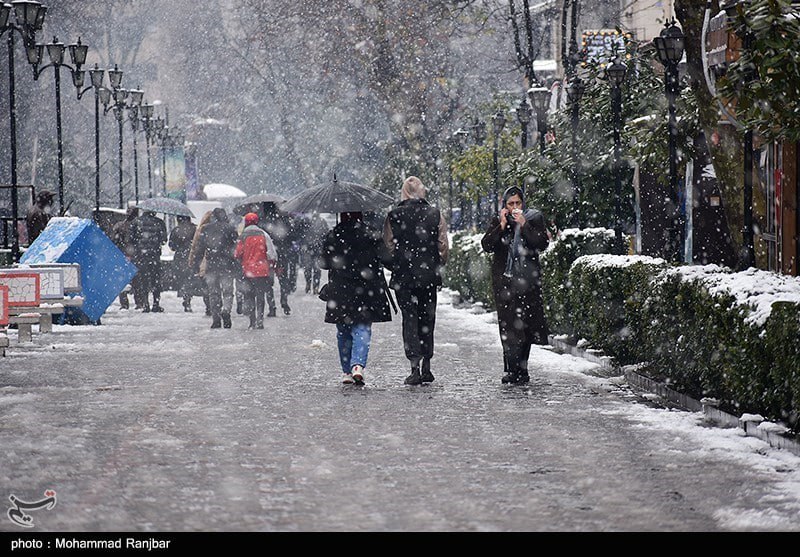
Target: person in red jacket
(256, 251)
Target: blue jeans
(353, 344)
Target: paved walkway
(154, 422)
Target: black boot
(252, 321)
(414, 378)
(271, 312)
(426, 376)
(215, 322)
(510, 377)
(226, 319)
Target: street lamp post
(28, 18)
(461, 136)
(615, 74)
(55, 51)
(479, 136)
(574, 93)
(539, 98)
(97, 76)
(498, 123)
(669, 48)
(524, 117)
(133, 118)
(147, 115)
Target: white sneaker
(347, 378)
(358, 374)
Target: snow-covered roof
(222, 191)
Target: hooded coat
(354, 254)
(518, 297)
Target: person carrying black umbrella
(355, 295)
(416, 234)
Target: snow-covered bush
(468, 268)
(606, 293)
(556, 261)
(733, 336)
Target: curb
(749, 424)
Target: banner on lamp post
(192, 182)
(175, 172)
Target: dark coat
(147, 234)
(414, 231)
(180, 241)
(217, 243)
(354, 255)
(36, 221)
(518, 298)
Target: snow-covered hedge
(557, 260)
(733, 336)
(606, 294)
(705, 330)
(468, 268)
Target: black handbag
(323, 292)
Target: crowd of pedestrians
(225, 260)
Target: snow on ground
(687, 426)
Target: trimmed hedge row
(704, 330)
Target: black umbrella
(165, 205)
(337, 197)
(244, 205)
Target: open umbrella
(337, 197)
(244, 205)
(165, 205)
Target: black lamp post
(615, 73)
(574, 94)
(524, 116)
(97, 76)
(133, 117)
(461, 136)
(539, 97)
(147, 115)
(55, 51)
(28, 18)
(498, 123)
(669, 48)
(524, 112)
(115, 99)
(478, 136)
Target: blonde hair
(412, 189)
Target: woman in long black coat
(356, 297)
(515, 237)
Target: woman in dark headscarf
(515, 237)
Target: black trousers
(418, 307)
(149, 280)
(255, 291)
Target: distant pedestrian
(313, 233)
(355, 295)
(514, 238)
(281, 229)
(180, 242)
(120, 235)
(416, 234)
(197, 261)
(39, 214)
(217, 245)
(256, 252)
(147, 234)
